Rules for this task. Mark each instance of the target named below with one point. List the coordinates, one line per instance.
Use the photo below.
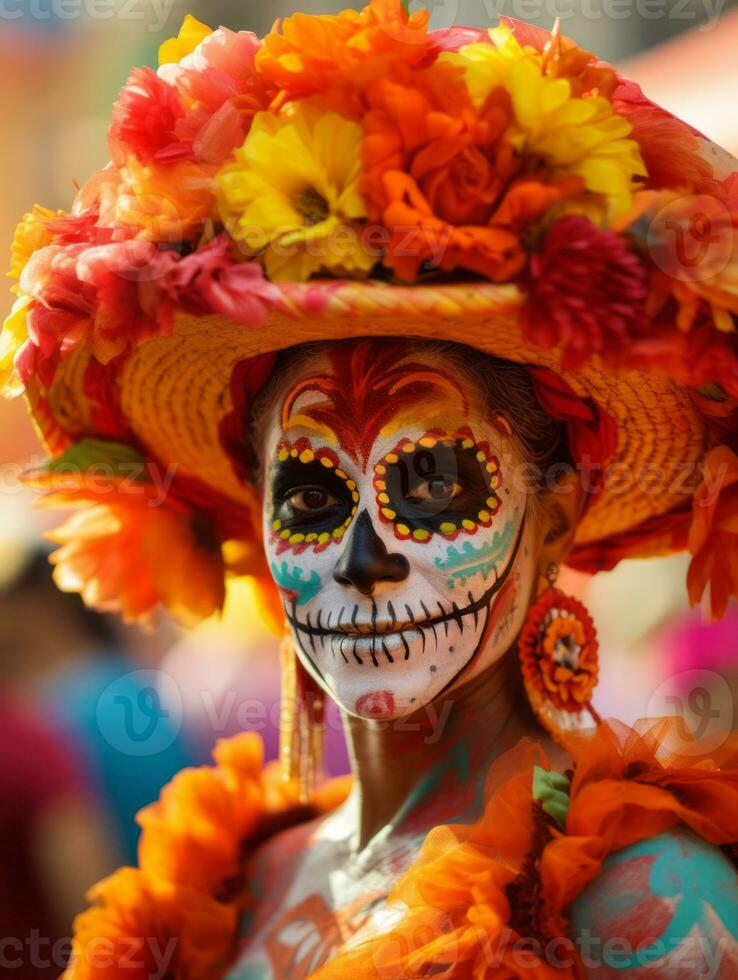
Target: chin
(390, 673)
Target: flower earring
(301, 724)
(559, 657)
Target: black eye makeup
(312, 499)
(439, 484)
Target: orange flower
(444, 178)
(161, 202)
(194, 833)
(139, 927)
(177, 915)
(111, 553)
(307, 54)
(693, 241)
(112, 547)
(713, 536)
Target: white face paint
(393, 527)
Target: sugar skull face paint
(401, 550)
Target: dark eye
(436, 489)
(311, 499)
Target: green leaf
(116, 458)
(551, 790)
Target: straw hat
(502, 189)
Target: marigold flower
(587, 292)
(572, 136)
(292, 190)
(195, 832)
(444, 178)
(191, 33)
(713, 536)
(112, 547)
(138, 924)
(339, 53)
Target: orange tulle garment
(481, 901)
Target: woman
(398, 322)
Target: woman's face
(394, 527)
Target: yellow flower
(582, 137)
(191, 33)
(30, 235)
(292, 190)
(12, 337)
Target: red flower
(587, 292)
(713, 536)
(703, 356)
(145, 119)
(109, 294)
(210, 281)
(592, 435)
(670, 148)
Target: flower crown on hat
(363, 145)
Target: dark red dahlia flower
(587, 292)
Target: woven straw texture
(176, 390)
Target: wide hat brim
(175, 391)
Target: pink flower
(210, 281)
(109, 294)
(587, 292)
(144, 120)
(222, 91)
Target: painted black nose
(365, 560)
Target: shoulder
(665, 907)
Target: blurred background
(95, 717)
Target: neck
(404, 770)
